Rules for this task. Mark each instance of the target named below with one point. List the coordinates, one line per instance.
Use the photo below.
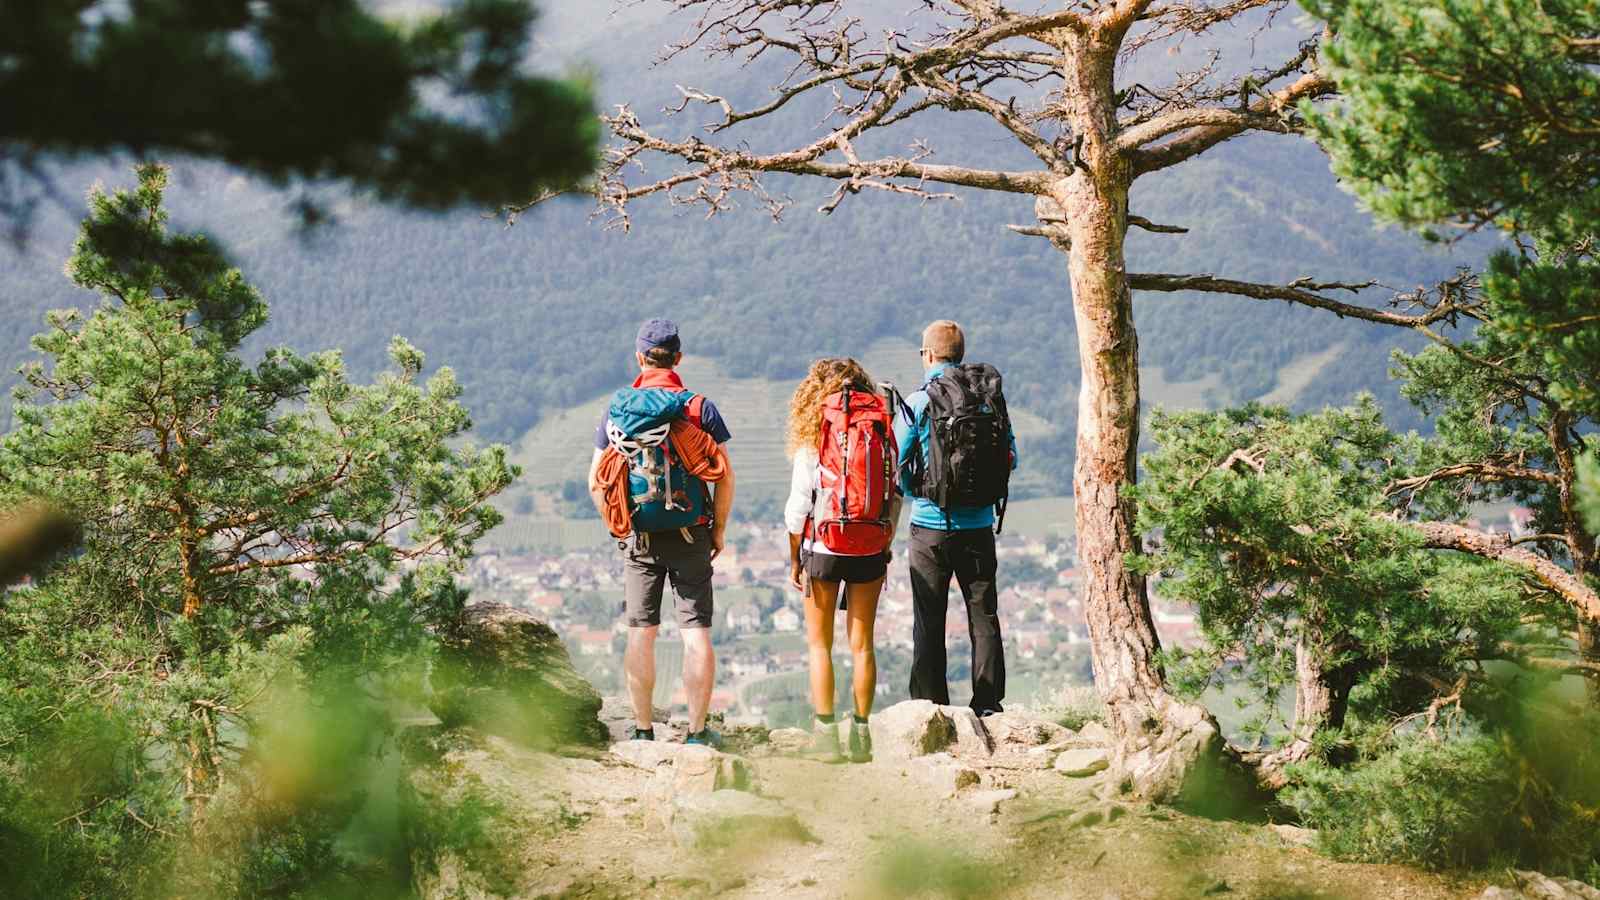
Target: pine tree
(244, 528)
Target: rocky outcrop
(1083, 762)
(504, 672)
(684, 768)
(915, 728)
(1534, 886)
(729, 818)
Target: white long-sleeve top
(806, 499)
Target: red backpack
(856, 468)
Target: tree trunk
(1321, 697)
(1580, 542)
(1159, 740)
(1589, 652)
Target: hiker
(959, 473)
(842, 513)
(663, 484)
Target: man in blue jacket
(958, 541)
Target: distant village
(758, 630)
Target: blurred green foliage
(432, 113)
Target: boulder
(1020, 730)
(912, 728)
(722, 819)
(1534, 886)
(789, 741)
(503, 671)
(1094, 733)
(918, 727)
(685, 768)
(1083, 762)
(943, 774)
(616, 714)
(972, 736)
(989, 802)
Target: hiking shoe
(860, 742)
(641, 734)
(705, 737)
(824, 742)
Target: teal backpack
(662, 495)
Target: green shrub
(1464, 802)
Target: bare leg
(862, 615)
(640, 663)
(699, 673)
(820, 604)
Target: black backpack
(969, 441)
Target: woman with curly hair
(821, 573)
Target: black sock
(646, 733)
(825, 719)
(860, 719)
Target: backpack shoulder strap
(691, 410)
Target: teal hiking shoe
(705, 737)
(824, 743)
(860, 742)
(641, 734)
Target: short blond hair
(945, 340)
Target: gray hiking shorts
(650, 560)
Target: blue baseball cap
(658, 333)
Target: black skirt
(849, 569)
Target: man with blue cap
(655, 553)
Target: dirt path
(878, 831)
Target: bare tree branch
(1201, 137)
(1303, 292)
(1483, 471)
(1570, 587)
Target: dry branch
(1570, 587)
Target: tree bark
(1589, 656)
(1159, 740)
(1321, 698)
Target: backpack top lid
(635, 411)
(860, 401)
(974, 376)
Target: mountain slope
(541, 316)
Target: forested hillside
(541, 315)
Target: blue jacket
(924, 513)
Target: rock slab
(732, 818)
(915, 728)
(503, 671)
(1535, 886)
(681, 769)
(943, 774)
(1083, 762)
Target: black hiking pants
(969, 556)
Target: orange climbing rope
(700, 456)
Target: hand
(797, 576)
(716, 543)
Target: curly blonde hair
(827, 376)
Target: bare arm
(595, 494)
(721, 504)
